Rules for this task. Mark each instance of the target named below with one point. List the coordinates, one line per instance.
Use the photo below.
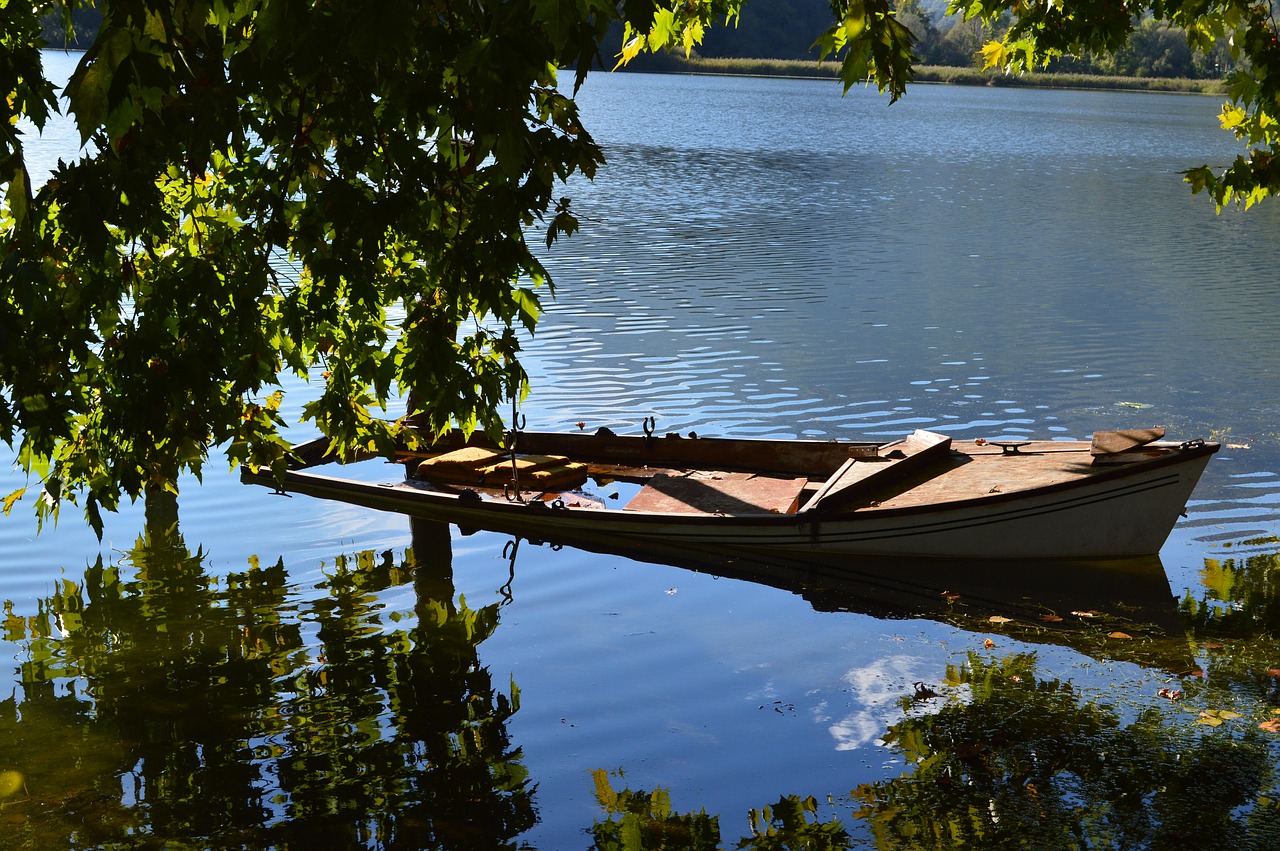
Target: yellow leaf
(12, 498)
(10, 783)
(1119, 635)
(994, 55)
(1232, 116)
(1209, 720)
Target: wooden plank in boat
(719, 493)
(859, 478)
(474, 465)
(1108, 442)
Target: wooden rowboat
(1117, 496)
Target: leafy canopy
(341, 191)
(1043, 31)
(344, 192)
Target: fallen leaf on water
(1215, 717)
(1212, 645)
(988, 644)
(1085, 614)
(1237, 446)
(950, 596)
(1170, 693)
(999, 619)
(1272, 726)
(1051, 618)
(1273, 672)
(10, 783)
(1119, 635)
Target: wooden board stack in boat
(1117, 496)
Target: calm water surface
(759, 257)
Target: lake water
(759, 257)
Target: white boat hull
(1127, 513)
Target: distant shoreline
(799, 68)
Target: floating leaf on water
(1272, 726)
(1119, 634)
(1085, 614)
(10, 783)
(1237, 446)
(1051, 618)
(1138, 405)
(1170, 693)
(999, 619)
(950, 596)
(1215, 717)
(988, 644)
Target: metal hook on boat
(650, 425)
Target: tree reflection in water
(1001, 757)
(224, 714)
(1016, 761)
(173, 709)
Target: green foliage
(345, 194)
(1043, 32)
(337, 192)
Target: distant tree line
(784, 29)
(84, 26)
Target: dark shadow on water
(172, 709)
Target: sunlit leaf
(13, 498)
(11, 783)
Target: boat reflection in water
(1115, 608)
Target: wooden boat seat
(859, 478)
(480, 467)
(729, 494)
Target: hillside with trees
(784, 29)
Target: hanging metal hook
(518, 422)
(509, 551)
